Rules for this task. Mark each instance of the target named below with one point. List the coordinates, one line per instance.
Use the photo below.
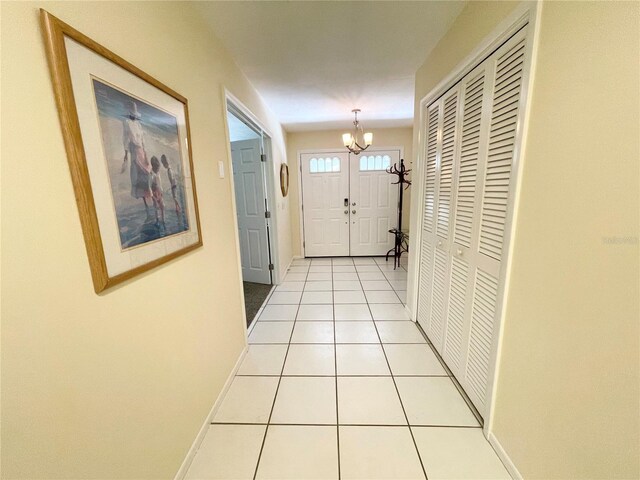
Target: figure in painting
(133, 141)
(156, 191)
(172, 182)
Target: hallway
(344, 385)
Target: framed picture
(284, 179)
(128, 146)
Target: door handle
(354, 204)
(353, 211)
(346, 212)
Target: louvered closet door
(469, 152)
(428, 243)
(506, 70)
(444, 215)
(441, 158)
(474, 106)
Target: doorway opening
(253, 189)
(349, 202)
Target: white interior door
(374, 202)
(249, 184)
(325, 203)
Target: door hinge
(271, 266)
(304, 244)
(267, 214)
(263, 157)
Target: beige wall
(567, 396)
(296, 141)
(115, 385)
(567, 404)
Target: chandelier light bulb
(368, 138)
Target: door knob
(439, 243)
(353, 211)
(354, 204)
(346, 212)
(459, 252)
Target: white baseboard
(502, 454)
(182, 471)
(410, 313)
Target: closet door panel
(474, 108)
(431, 150)
(447, 158)
(425, 286)
(430, 168)
(508, 63)
(439, 298)
(485, 294)
(447, 170)
(473, 90)
(457, 331)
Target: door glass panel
(324, 165)
(373, 163)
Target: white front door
(325, 200)
(249, 184)
(374, 202)
(349, 203)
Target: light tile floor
(339, 383)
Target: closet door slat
(502, 135)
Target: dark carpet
(254, 296)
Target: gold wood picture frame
(128, 146)
(284, 179)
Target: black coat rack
(401, 239)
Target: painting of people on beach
(141, 150)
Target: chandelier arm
(361, 148)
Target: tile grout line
(335, 367)
(453, 379)
(349, 376)
(384, 352)
(277, 424)
(275, 396)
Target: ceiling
(314, 61)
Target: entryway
(250, 154)
(349, 203)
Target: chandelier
(355, 141)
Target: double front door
(349, 203)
